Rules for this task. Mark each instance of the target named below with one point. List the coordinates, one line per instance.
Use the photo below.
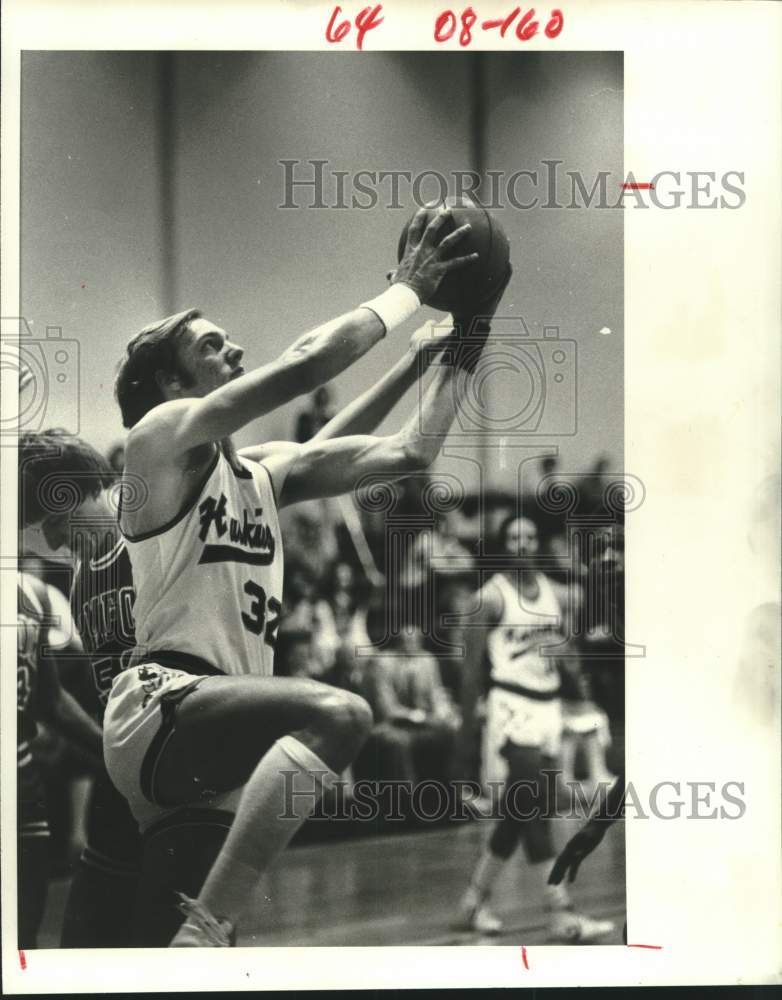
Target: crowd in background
(381, 610)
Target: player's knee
(346, 716)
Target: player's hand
(427, 259)
(577, 848)
(432, 335)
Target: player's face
(79, 529)
(521, 539)
(209, 358)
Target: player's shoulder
(492, 598)
(569, 595)
(149, 433)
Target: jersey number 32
(264, 615)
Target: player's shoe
(475, 914)
(567, 927)
(201, 929)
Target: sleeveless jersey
(102, 599)
(514, 644)
(209, 583)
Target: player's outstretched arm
(582, 844)
(183, 424)
(365, 414)
(330, 468)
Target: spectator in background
(594, 484)
(340, 591)
(309, 538)
(549, 520)
(321, 410)
(305, 612)
(293, 653)
(415, 719)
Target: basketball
(463, 289)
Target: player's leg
(283, 740)
(101, 898)
(33, 846)
(519, 800)
(178, 853)
(219, 731)
(32, 884)
(531, 765)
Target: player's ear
(168, 381)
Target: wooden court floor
(404, 889)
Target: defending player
(203, 715)
(108, 900)
(41, 637)
(521, 612)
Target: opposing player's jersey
(209, 583)
(30, 631)
(515, 644)
(102, 599)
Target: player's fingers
(458, 262)
(416, 227)
(436, 223)
(390, 275)
(575, 865)
(557, 873)
(448, 241)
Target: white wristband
(395, 305)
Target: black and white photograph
(351, 626)
(322, 398)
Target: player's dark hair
(150, 352)
(57, 472)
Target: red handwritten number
(366, 21)
(469, 17)
(444, 26)
(342, 29)
(509, 21)
(527, 28)
(555, 24)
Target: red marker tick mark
(656, 947)
(637, 187)
(524, 957)
(22, 960)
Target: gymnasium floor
(403, 889)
